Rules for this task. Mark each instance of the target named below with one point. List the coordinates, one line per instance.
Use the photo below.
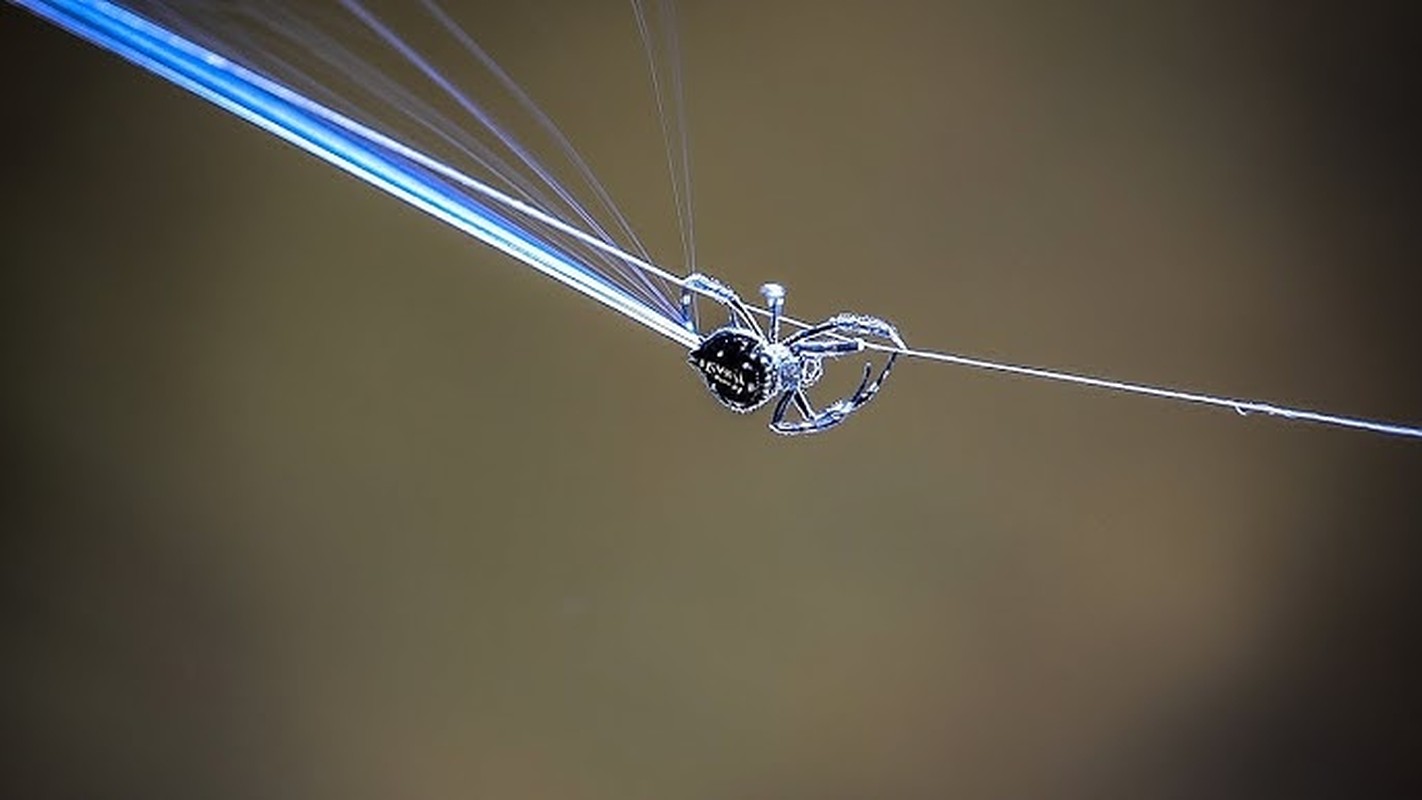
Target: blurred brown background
(312, 497)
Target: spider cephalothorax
(745, 368)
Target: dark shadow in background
(1338, 716)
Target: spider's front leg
(851, 325)
(814, 342)
(834, 413)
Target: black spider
(744, 368)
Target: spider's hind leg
(697, 283)
(849, 325)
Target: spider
(744, 368)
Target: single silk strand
(1242, 407)
(674, 143)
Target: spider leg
(850, 325)
(834, 413)
(777, 419)
(833, 348)
(867, 388)
(810, 422)
(815, 341)
(802, 402)
(721, 293)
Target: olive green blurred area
(312, 497)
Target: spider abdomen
(736, 368)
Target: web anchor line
(1239, 406)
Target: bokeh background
(311, 497)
